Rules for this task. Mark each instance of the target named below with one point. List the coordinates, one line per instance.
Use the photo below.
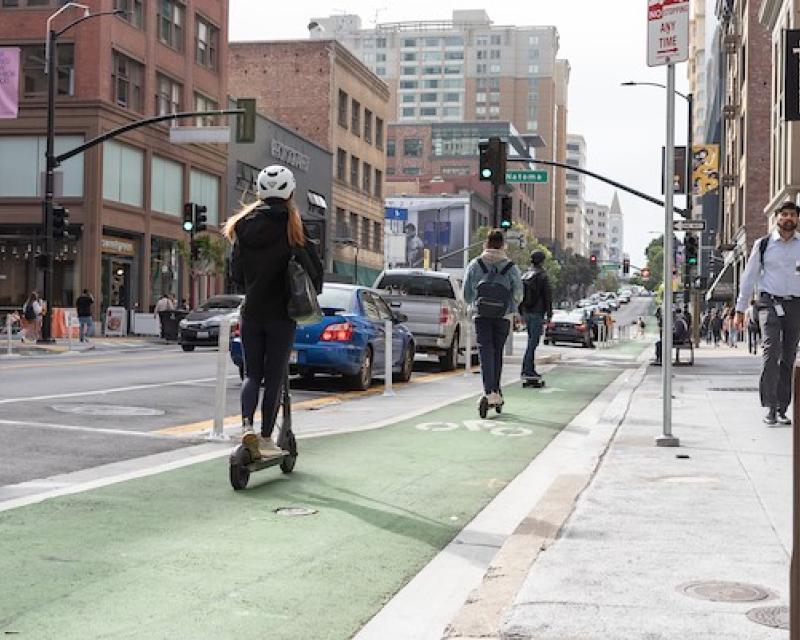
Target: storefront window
(164, 268)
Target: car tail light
(340, 332)
(444, 315)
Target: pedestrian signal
(505, 212)
(691, 250)
(626, 266)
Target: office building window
(166, 186)
(430, 84)
(494, 54)
(341, 223)
(126, 82)
(432, 70)
(378, 183)
(355, 117)
(22, 162)
(494, 68)
(411, 171)
(133, 9)
(204, 189)
(365, 228)
(354, 167)
(496, 39)
(341, 164)
(367, 125)
(409, 56)
(34, 79)
(433, 42)
(377, 237)
(168, 95)
(201, 103)
(451, 112)
(123, 168)
(380, 43)
(171, 23)
(380, 71)
(432, 56)
(390, 148)
(427, 112)
(408, 84)
(353, 229)
(342, 118)
(454, 41)
(206, 44)
(409, 42)
(454, 55)
(379, 133)
(570, 235)
(481, 67)
(452, 97)
(412, 147)
(429, 97)
(366, 174)
(408, 112)
(408, 71)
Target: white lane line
(138, 387)
(70, 427)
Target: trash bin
(169, 323)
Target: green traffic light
(692, 261)
(188, 226)
(505, 224)
(486, 173)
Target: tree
(577, 275)
(607, 282)
(655, 262)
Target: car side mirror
(399, 318)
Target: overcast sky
(605, 43)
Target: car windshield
(335, 298)
(220, 303)
(410, 284)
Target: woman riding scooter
(265, 235)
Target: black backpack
(29, 312)
(493, 293)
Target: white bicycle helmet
(275, 182)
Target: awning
(722, 289)
(317, 200)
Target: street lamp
(51, 58)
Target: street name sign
(395, 213)
(689, 225)
(200, 135)
(667, 32)
(526, 176)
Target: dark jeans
(780, 336)
(491, 334)
(266, 347)
(533, 323)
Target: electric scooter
(241, 464)
(537, 382)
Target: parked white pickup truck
(437, 314)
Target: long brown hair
(294, 229)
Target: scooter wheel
(483, 408)
(287, 463)
(239, 474)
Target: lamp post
(51, 61)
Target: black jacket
(260, 256)
(538, 296)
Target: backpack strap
(762, 248)
(482, 265)
(507, 268)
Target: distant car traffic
(350, 340)
(569, 326)
(201, 327)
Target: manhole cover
(777, 617)
(106, 410)
(747, 389)
(295, 511)
(717, 591)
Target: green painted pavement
(181, 555)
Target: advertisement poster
(705, 168)
(116, 322)
(9, 81)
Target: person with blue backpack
(493, 286)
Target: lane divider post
(387, 369)
(221, 391)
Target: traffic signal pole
(49, 188)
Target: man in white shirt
(776, 272)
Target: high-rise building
(469, 69)
(126, 195)
(616, 232)
(597, 216)
(576, 228)
(322, 91)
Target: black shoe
(771, 417)
(783, 418)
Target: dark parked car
(201, 327)
(569, 326)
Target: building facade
(616, 232)
(126, 195)
(469, 69)
(576, 229)
(323, 92)
(597, 219)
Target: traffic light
(645, 273)
(593, 259)
(492, 165)
(691, 250)
(195, 250)
(200, 218)
(188, 217)
(505, 212)
(626, 266)
(60, 221)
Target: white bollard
(68, 322)
(8, 331)
(510, 339)
(468, 345)
(387, 375)
(216, 432)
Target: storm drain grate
(777, 617)
(718, 591)
(745, 389)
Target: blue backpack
(493, 297)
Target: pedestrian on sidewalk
(265, 235)
(774, 268)
(536, 308)
(753, 328)
(164, 304)
(32, 312)
(84, 307)
(494, 285)
(680, 333)
(733, 331)
(716, 326)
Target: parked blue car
(350, 340)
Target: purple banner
(9, 81)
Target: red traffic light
(593, 259)
(645, 273)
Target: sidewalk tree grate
(107, 410)
(777, 617)
(746, 389)
(718, 591)
(295, 511)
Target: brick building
(125, 196)
(322, 91)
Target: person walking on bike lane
(493, 286)
(774, 267)
(536, 307)
(265, 235)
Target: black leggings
(266, 347)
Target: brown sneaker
(268, 448)
(250, 441)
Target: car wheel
(187, 347)
(362, 380)
(408, 365)
(449, 360)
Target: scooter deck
(536, 384)
(266, 461)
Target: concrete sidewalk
(692, 542)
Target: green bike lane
(181, 555)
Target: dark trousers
(491, 334)
(266, 347)
(753, 338)
(533, 323)
(780, 337)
